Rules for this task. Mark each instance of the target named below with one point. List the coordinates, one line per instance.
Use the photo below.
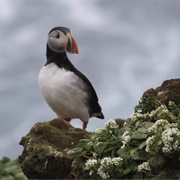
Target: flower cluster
(161, 110)
(103, 166)
(125, 138)
(139, 117)
(170, 140)
(109, 129)
(158, 123)
(97, 143)
(99, 131)
(111, 124)
(136, 116)
(106, 164)
(90, 163)
(144, 167)
(163, 137)
(149, 143)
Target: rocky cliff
(49, 147)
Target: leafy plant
(146, 104)
(148, 138)
(10, 170)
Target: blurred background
(125, 48)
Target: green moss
(45, 149)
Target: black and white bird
(66, 90)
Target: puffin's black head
(61, 40)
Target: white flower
(90, 163)
(106, 164)
(160, 122)
(144, 167)
(160, 110)
(137, 123)
(149, 142)
(146, 115)
(111, 124)
(152, 114)
(169, 137)
(167, 148)
(106, 161)
(101, 173)
(176, 145)
(125, 138)
(162, 107)
(170, 103)
(135, 116)
(99, 130)
(94, 155)
(116, 160)
(90, 172)
(97, 144)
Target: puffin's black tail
(98, 115)
(101, 116)
(67, 119)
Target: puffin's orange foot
(84, 126)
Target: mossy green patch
(45, 149)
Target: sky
(125, 48)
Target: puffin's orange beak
(72, 45)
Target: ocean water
(125, 48)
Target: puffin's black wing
(94, 107)
(62, 61)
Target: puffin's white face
(60, 42)
(57, 41)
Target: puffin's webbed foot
(84, 126)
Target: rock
(157, 163)
(45, 149)
(120, 122)
(168, 91)
(167, 175)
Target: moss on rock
(45, 149)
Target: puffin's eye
(57, 36)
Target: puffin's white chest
(64, 92)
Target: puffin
(66, 90)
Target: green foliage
(146, 104)
(151, 135)
(10, 170)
